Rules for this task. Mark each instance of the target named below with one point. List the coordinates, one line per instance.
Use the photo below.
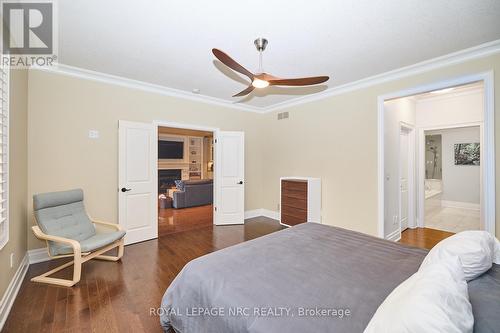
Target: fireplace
(167, 178)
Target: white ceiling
(169, 43)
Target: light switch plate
(93, 134)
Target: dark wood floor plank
(60, 310)
(423, 237)
(172, 220)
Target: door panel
(230, 185)
(136, 180)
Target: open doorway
(185, 179)
(452, 126)
(452, 179)
(209, 175)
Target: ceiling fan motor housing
(260, 44)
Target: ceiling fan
(261, 79)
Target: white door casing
(487, 149)
(136, 180)
(403, 178)
(230, 172)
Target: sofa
(191, 193)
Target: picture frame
(467, 153)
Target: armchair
(61, 221)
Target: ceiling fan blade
(231, 63)
(303, 81)
(247, 91)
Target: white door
(229, 180)
(136, 180)
(403, 181)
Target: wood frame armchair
(75, 249)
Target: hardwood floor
(423, 237)
(117, 297)
(172, 220)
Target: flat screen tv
(170, 149)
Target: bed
(308, 278)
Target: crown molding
(475, 52)
(141, 85)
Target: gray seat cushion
(94, 243)
(63, 214)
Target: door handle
(240, 182)
(126, 189)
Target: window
(4, 155)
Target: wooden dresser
(300, 200)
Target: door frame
(488, 150)
(421, 169)
(411, 176)
(214, 130)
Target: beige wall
(63, 109)
(18, 178)
(337, 141)
(336, 138)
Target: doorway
(452, 183)
(401, 107)
(141, 184)
(185, 179)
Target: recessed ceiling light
(196, 91)
(442, 91)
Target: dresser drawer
(293, 190)
(294, 202)
(300, 200)
(293, 185)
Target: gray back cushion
(63, 214)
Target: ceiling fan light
(258, 83)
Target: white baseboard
(262, 212)
(271, 214)
(249, 214)
(394, 236)
(458, 204)
(38, 255)
(10, 294)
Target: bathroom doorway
(439, 112)
(452, 179)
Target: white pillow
(476, 249)
(434, 299)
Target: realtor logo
(29, 33)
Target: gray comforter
(309, 278)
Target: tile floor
(450, 219)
